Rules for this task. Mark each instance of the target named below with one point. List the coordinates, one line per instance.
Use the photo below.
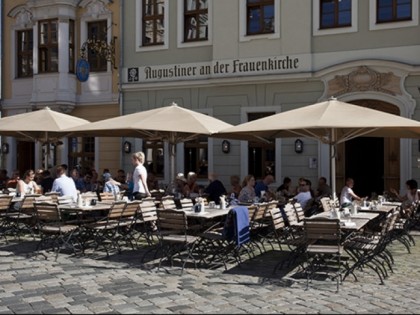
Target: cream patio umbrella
(172, 123)
(331, 122)
(44, 125)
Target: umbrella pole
(172, 157)
(333, 152)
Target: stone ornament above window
(22, 16)
(365, 79)
(96, 8)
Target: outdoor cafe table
(351, 223)
(385, 207)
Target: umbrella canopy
(170, 123)
(44, 125)
(331, 122)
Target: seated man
(215, 189)
(304, 195)
(64, 185)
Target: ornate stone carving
(365, 79)
(96, 8)
(24, 18)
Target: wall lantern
(5, 148)
(298, 146)
(225, 146)
(127, 147)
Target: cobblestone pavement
(120, 284)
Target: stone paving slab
(121, 284)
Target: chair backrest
(148, 210)
(327, 204)
(252, 209)
(186, 203)
(324, 229)
(116, 210)
(277, 219)
(131, 209)
(54, 195)
(107, 196)
(168, 202)
(47, 212)
(27, 204)
(173, 221)
(300, 213)
(5, 202)
(290, 213)
(65, 200)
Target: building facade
(240, 60)
(236, 60)
(43, 43)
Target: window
(24, 53)
(335, 13)
(261, 156)
(81, 153)
(97, 31)
(393, 11)
(260, 17)
(71, 46)
(48, 46)
(393, 14)
(153, 27)
(195, 20)
(153, 152)
(196, 156)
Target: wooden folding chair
(174, 240)
(323, 249)
(55, 233)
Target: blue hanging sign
(82, 70)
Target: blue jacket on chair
(237, 225)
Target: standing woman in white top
(27, 184)
(140, 189)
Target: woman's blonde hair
(139, 156)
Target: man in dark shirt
(215, 189)
(47, 181)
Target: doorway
(373, 163)
(365, 164)
(25, 156)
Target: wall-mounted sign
(82, 70)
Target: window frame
(243, 23)
(261, 147)
(316, 21)
(97, 63)
(336, 15)
(195, 13)
(25, 54)
(155, 18)
(72, 52)
(154, 147)
(47, 65)
(394, 12)
(81, 151)
(140, 47)
(373, 25)
(259, 5)
(198, 144)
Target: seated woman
(247, 193)
(27, 184)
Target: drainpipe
(120, 64)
